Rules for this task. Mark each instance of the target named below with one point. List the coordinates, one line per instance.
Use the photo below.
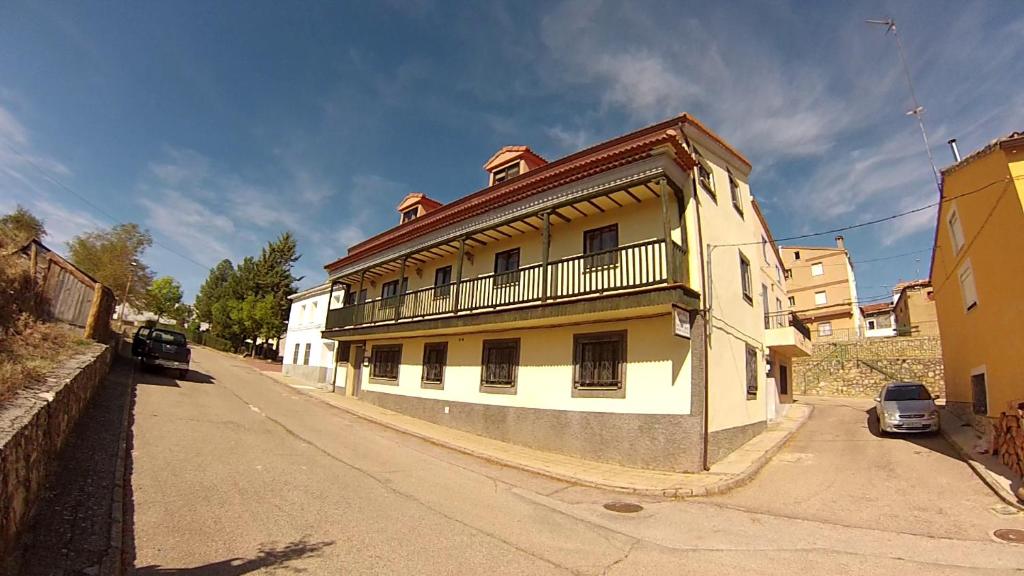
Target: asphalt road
(235, 473)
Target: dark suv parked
(162, 348)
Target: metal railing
(785, 320)
(626, 267)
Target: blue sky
(217, 125)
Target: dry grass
(32, 350)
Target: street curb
(729, 482)
(979, 470)
(113, 563)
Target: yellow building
(977, 272)
(914, 309)
(823, 290)
(566, 306)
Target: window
(956, 231)
(599, 364)
(734, 191)
(410, 214)
(825, 329)
(601, 242)
(820, 298)
(796, 255)
(764, 249)
(389, 294)
(751, 372)
(792, 301)
(745, 279)
(435, 356)
(979, 394)
(384, 362)
(967, 288)
(778, 274)
(871, 325)
(510, 171)
(817, 269)
(778, 305)
(499, 365)
(305, 356)
(789, 274)
(704, 176)
(506, 267)
(295, 355)
(442, 282)
(302, 314)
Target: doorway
(783, 379)
(357, 369)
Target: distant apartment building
(306, 355)
(879, 321)
(914, 309)
(977, 271)
(569, 305)
(823, 290)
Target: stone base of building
(980, 422)
(315, 375)
(651, 441)
(721, 443)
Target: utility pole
(127, 287)
(917, 111)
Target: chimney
(840, 243)
(954, 149)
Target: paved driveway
(839, 469)
(235, 473)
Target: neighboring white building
(879, 320)
(306, 354)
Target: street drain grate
(1011, 535)
(623, 507)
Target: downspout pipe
(705, 310)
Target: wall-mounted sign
(681, 322)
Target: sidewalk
(988, 467)
(735, 470)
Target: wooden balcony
(587, 276)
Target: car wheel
(183, 374)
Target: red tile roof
(616, 152)
(875, 308)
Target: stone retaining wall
(861, 367)
(34, 424)
(1008, 441)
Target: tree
(162, 297)
(113, 256)
(213, 290)
(18, 227)
(183, 314)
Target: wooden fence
(73, 296)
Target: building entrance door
(357, 369)
(783, 379)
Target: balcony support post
(458, 274)
(670, 253)
(401, 292)
(545, 254)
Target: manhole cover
(1011, 535)
(623, 507)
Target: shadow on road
(930, 440)
(158, 377)
(268, 556)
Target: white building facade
(306, 355)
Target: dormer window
(410, 214)
(415, 205)
(510, 171)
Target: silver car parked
(906, 407)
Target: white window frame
(956, 230)
(969, 296)
(824, 328)
(817, 269)
(823, 300)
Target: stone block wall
(1008, 441)
(861, 367)
(34, 424)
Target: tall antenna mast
(917, 111)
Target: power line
(94, 206)
(877, 220)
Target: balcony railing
(784, 320)
(627, 267)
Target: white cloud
(570, 139)
(203, 233)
